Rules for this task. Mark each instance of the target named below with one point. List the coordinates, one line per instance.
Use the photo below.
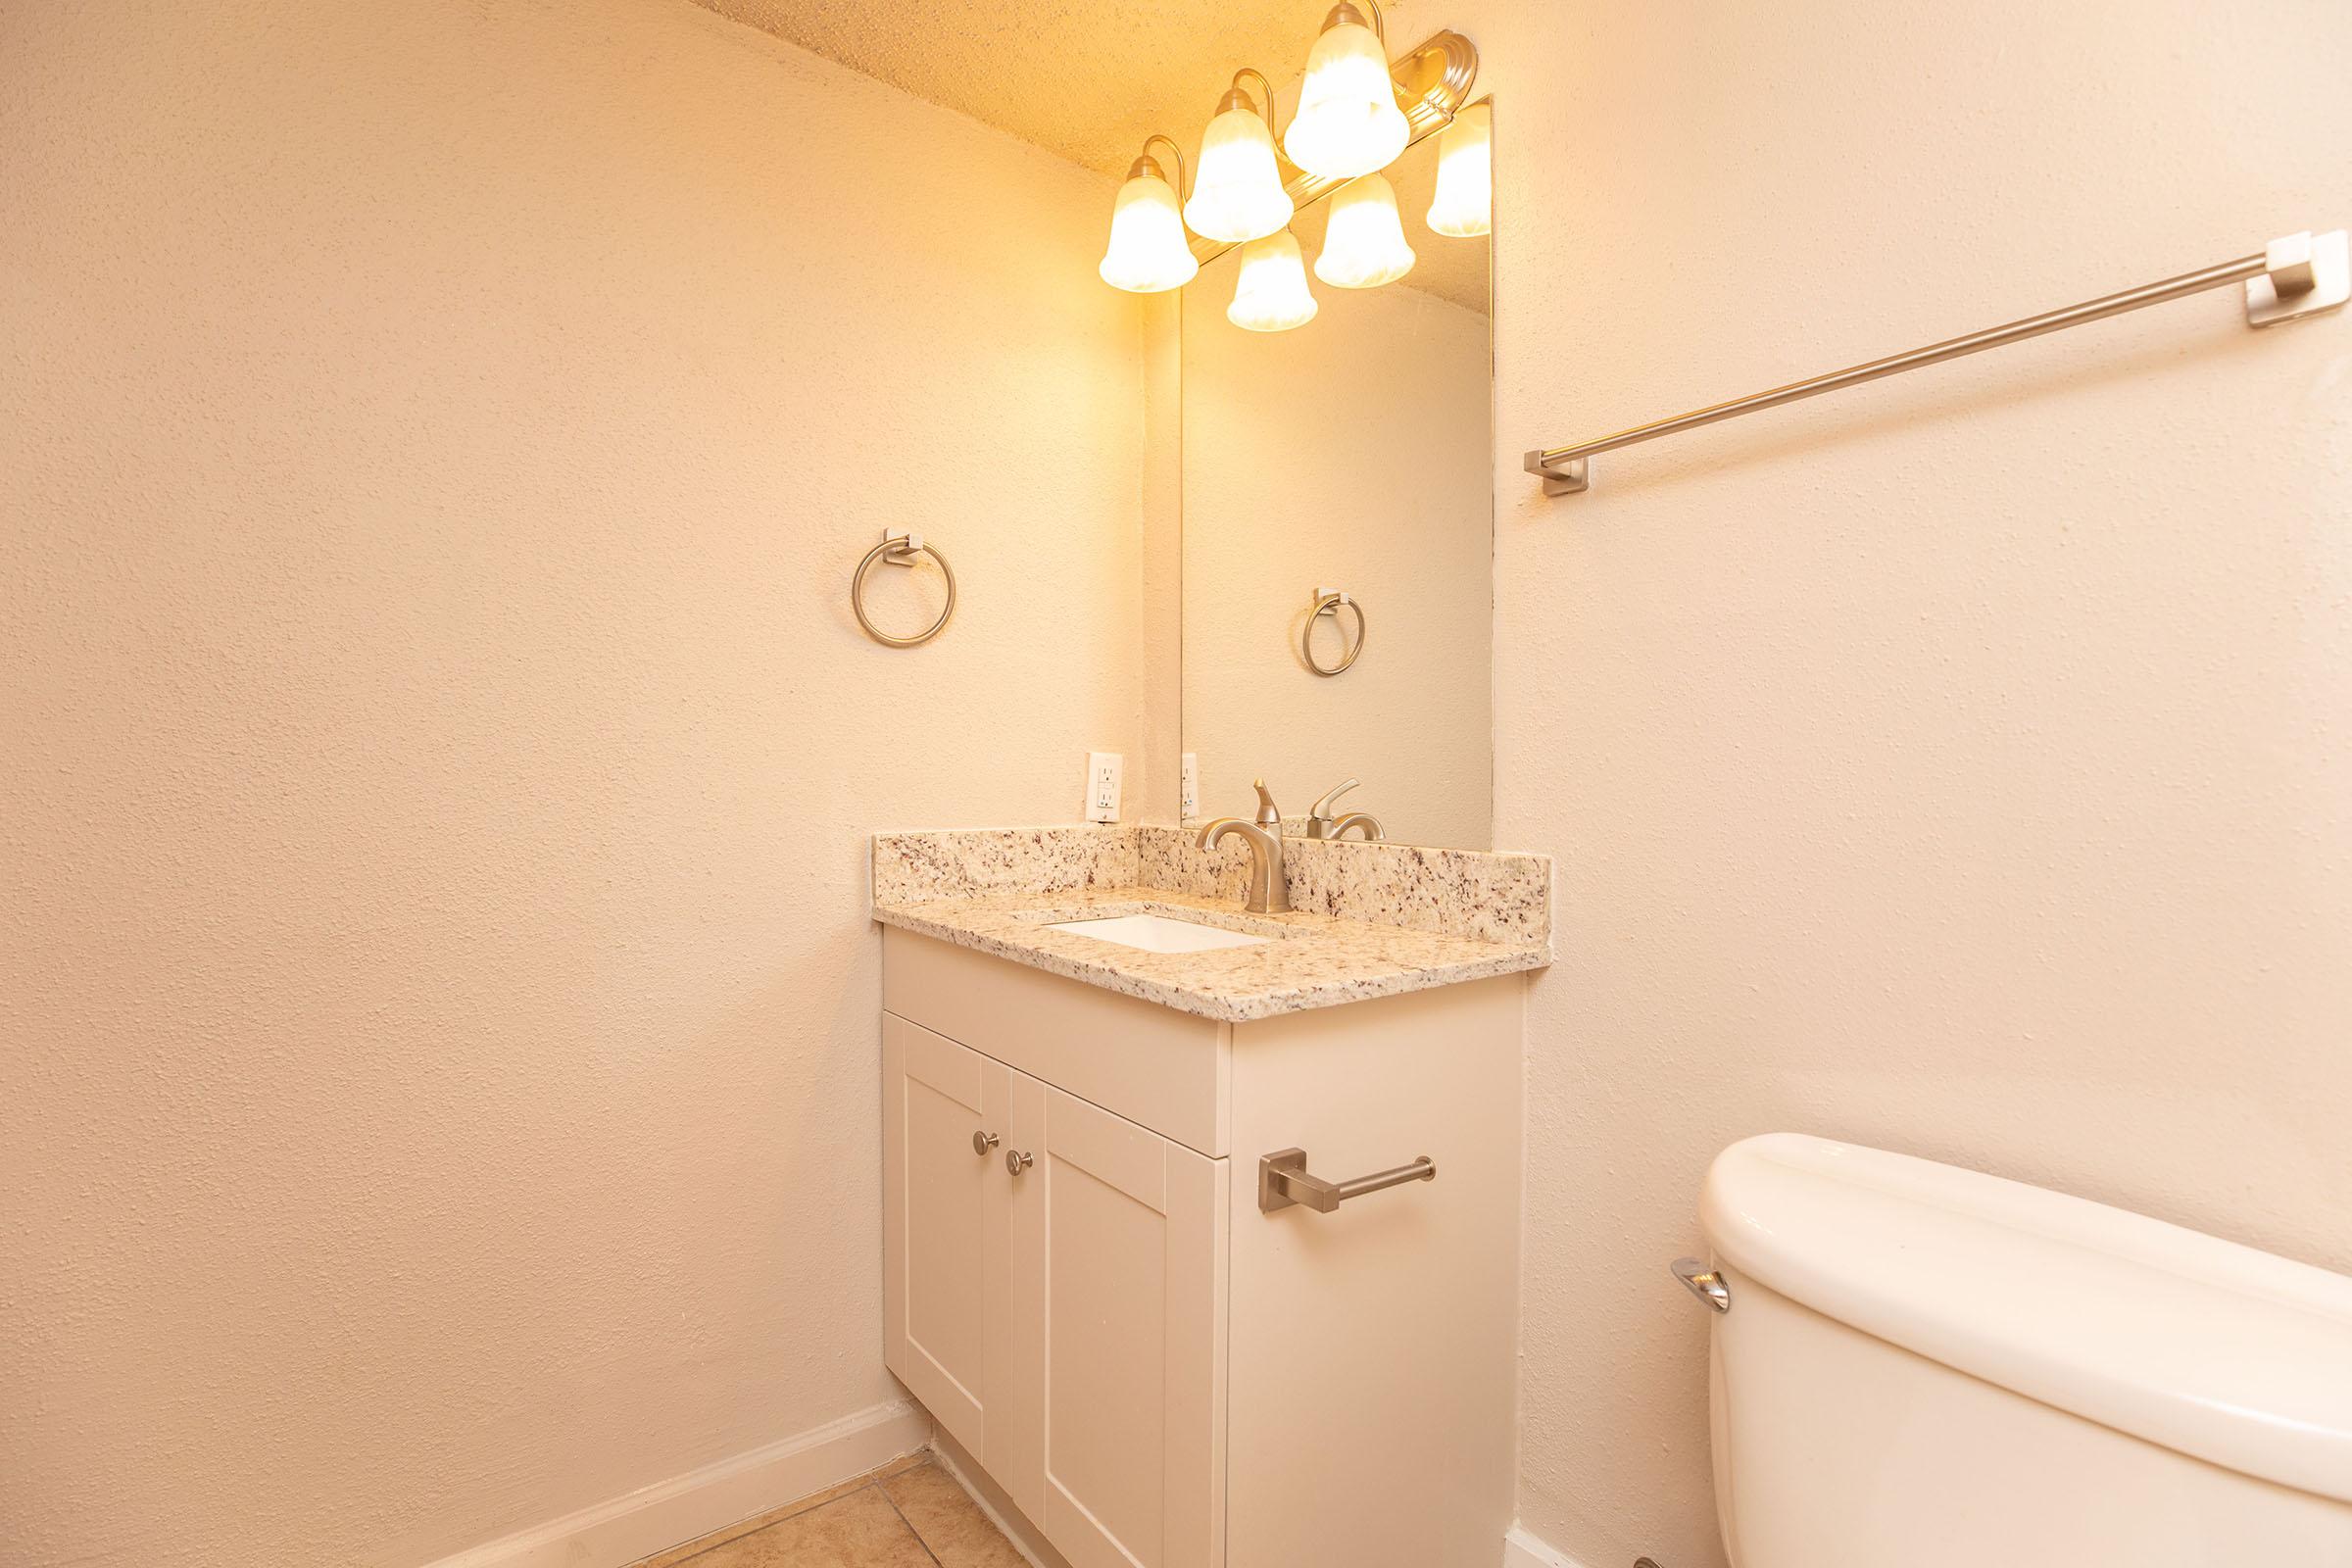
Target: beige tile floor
(910, 1514)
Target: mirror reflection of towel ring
(901, 549)
(1330, 602)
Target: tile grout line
(912, 1527)
(769, 1518)
(787, 1519)
(868, 1486)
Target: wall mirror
(1353, 455)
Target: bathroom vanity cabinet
(1084, 1290)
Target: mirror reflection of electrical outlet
(1190, 807)
(1103, 771)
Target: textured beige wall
(1354, 453)
(1962, 763)
(1156, 780)
(438, 1009)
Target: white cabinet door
(945, 1207)
(1118, 1307)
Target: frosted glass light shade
(1464, 205)
(1347, 122)
(1271, 294)
(1147, 253)
(1363, 244)
(1238, 194)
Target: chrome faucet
(1321, 824)
(1269, 888)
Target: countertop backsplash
(1490, 896)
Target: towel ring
(900, 550)
(1330, 603)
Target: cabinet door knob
(1017, 1162)
(982, 1142)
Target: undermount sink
(1157, 933)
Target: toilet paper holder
(1283, 1180)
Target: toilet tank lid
(2233, 1355)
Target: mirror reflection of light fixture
(1347, 122)
(1464, 205)
(1271, 294)
(1363, 242)
(1237, 194)
(1148, 253)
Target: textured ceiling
(1089, 79)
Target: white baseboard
(1523, 1551)
(620, 1530)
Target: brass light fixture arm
(1267, 101)
(1183, 174)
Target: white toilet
(1922, 1367)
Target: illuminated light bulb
(1363, 243)
(1347, 122)
(1271, 294)
(1464, 205)
(1238, 194)
(1147, 253)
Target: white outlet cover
(1105, 771)
(1189, 806)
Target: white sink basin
(1157, 933)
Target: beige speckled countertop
(1316, 961)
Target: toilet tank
(1927, 1366)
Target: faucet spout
(1269, 886)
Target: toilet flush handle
(1703, 1283)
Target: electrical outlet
(1189, 809)
(1103, 771)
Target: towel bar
(2298, 276)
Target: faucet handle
(1269, 816)
(1322, 808)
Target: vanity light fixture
(1242, 189)
(1271, 294)
(1347, 122)
(1464, 205)
(1363, 243)
(1238, 193)
(1148, 253)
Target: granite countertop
(1316, 961)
